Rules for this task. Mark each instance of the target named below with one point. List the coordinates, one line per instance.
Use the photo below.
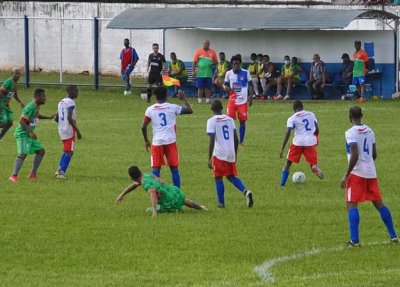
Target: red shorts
(69, 144)
(359, 189)
(223, 168)
(240, 109)
(170, 151)
(309, 152)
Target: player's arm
(250, 93)
(19, 100)
(284, 142)
(24, 122)
(148, 65)
(135, 58)
(127, 190)
(154, 201)
(72, 122)
(316, 128)
(236, 142)
(188, 108)
(145, 123)
(164, 65)
(211, 144)
(374, 152)
(352, 163)
(42, 117)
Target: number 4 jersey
(223, 128)
(65, 130)
(304, 125)
(364, 137)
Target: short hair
(38, 92)
(236, 58)
(15, 70)
(126, 39)
(134, 172)
(161, 93)
(222, 53)
(216, 106)
(355, 112)
(286, 56)
(297, 105)
(173, 53)
(253, 55)
(294, 58)
(154, 44)
(70, 88)
(357, 42)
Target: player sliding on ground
(164, 197)
(305, 141)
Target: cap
(345, 55)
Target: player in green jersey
(164, 196)
(27, 142)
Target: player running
(222, 152)
(305, 141)
(162, 115)
(164, 197)
(27, 142)
(67, 128)
(239, 86)
(360, 181)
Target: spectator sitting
(219, 75)
(253, 68)
(267, 77)
(318, 78)
(346, 76)
(290, 75)
(177, 70)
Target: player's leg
(311, 155)
(242, 116)
(38, 150)
(200, 84)
(285, 172)
(149, 92)
(220, 189)
(157, 159)
(7, 122)
(354, 222)
(68, 148)
(171, 153)
(190, 203)
(242, 131)
(237, 182)
(23, 147)
(294, 155)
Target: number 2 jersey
(163, 118)
(364, 137)
(223, 128)
(65, 129)
(304, 125)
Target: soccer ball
(127, 93)
(299, 177)
(396, 96)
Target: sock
(36, 162)
(17, 165)
(156, 172)
(387, 219)
(176, 179)
(66, 158)
(354, 221)
(61, 160)
(284, 177)
(237, 183)
(219, 185)
(242, 131)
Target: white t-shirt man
(304, 125)
(223, 127)
(65, 129)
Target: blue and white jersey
(65, 129)
(223, 128)
(304, 125)
(239, 83)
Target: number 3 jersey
(65, 130)
(223, 128)
(364, 137)
(304, 125)
(163, 118)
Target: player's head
(265, 58)
(135, 173)
(221, 56)
(39, 96)
(206, 44)
(217, 107)
(236, 61)
(355, 114)
(259, 57)
(357, 45)
(297, 106)
(294, 60)
(161, 93)
(253, 57)
(72, 91)
(155, 48)
(126, 43)
(316, 58)
(286, 60)
(173, 56)
(16, 73)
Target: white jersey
(364, 137)
(239, 83)
(163, 118)
(65, 129)
(304, 125)
(223, 127)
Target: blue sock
(61, 161)
(156, 172)
(284, 177)
(219, 185)
(242, 131)
(66, 158)
(387, 219)
(176, 179)
(237, 183)
(354, 221)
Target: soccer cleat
(318, 171)
(361, 99)
(353, 244)
(203, 208)
(61, 176)
(32, 176)
(221, 205)
(286, 98)
(394, 240)
(13, 178)
(262, 98)
(199, 100)
(249, 198)
(208, 101)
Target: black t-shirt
(156, 62)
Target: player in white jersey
(360, 180)
(222, 153)
(239, 86)
(162, 115)
(67, 128)
(305, 141)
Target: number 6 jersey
(223, 128)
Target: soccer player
(360, 181)
(67, 128)
(8, 91)
(155, 66)
(129, 58)
(359, 69)
(162, 115)
(305, 141)
(27, 142)
(164, 197)
(222, 152)
(239, 86)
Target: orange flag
(168, 81)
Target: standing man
(219, 75)
(360, 181)
(203, 61)
(318, 78)
(27, 142)
(360, 70)
(8, 91)
(162, 115)
(155, 67)
(129, 58)
(238, 85)
(305, 141)
(67, 128)
(222, 152)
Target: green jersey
(9, 88)
(30, 115)
(204, 67)
(170, 198)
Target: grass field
(72, 233)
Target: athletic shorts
(6, 116)
(223, 168)
(309, 153)
(359, 80)
(359, 189)
(170, 151)
(26, 145)
(69, 144)
(154, 78)
(127, 72)
(204, 83)
(241, 110)
(172, 199)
